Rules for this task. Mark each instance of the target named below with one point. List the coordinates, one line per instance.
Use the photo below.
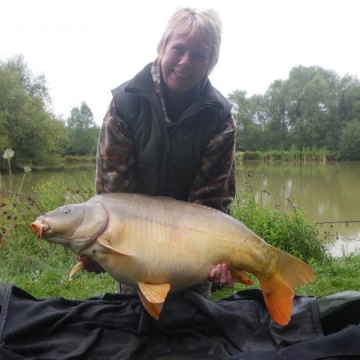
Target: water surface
(328, 192)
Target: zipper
(164, 181)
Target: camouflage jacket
(141, 150)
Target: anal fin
(242, 277)
(153, 297)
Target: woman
(167, 131)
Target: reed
(305, 154)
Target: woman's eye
(178, 50)
(199, 57)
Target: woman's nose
(185, 58)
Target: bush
(289, 231)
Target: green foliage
(293, 155)
(349, 101)
(334, 275)
(26, 125)
(308, 110)
(252, 155)
(349, 147)
(287, 230)
(249, 134)
(82, 131)
(39, 266)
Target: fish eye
(66, 211)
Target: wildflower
(8, 154)
(27, 169)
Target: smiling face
(184, 63)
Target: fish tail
(277, 289)
(293, 270)
(278, 296)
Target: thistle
(8, 154)
(27, 170)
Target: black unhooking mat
(114, 326)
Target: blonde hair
(196, 23)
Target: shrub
(288, 230)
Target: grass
(42, 268)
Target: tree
(82, 131)
(25, 121)
(309, 109)
(244, 111)
(277, 121)
(349, 100)
(349, 147)
(312, 107)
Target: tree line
(313, 108)
(29, 127)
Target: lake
(327, 192)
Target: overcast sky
(86, 47)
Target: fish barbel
(157, 244)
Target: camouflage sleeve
(214, 184)
(115, 162)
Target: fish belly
(181, 253)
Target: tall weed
(288, 230)
(20, 251)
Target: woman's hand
(221, 275)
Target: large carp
(155, 244)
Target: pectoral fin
(107, 245)
(76, 268)
(153, 297)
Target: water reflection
(327, 192)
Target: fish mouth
(39, 228)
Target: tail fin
(278, 297)
(277, 289)
(293, 270)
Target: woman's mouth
(181, 75)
